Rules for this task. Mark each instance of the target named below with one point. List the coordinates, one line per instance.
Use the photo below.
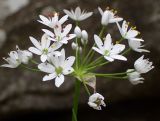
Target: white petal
(49, 77)
(100, 10)
(114, 20)
(68, 13)
(9, 66)
(59, 80)
(62, 57)
(48, 32)
(132, 33)
(43, 58)
(108, 42)
(124, 27)
(63, 19)
(69, 62)
(35, 50)
(109, 58)
(136, 39)
(35, 43)
(85, 16)
(98, 42)
(119, 57)
(44, 19)
(67, 71)
(98, 50)
(118, 48)
(66, 30)
(46, 67)
(45, 42)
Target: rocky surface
(23, 91)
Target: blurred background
(24, 97)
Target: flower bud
(74, 46)
(84, 39)
(105, 18)
(78, 32)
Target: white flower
(96, 100)
(108, 50)
(142, 65)
(53, 22)
(13, 60)
(43, 48)
(136, 46)
(78, 32)
(84, 39)
(134, 77)
(57, 68)
(60, 35)
(24, 55)
(127, 33)
(108, 17)
(78, 15)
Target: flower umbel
(58, 39)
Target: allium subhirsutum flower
(128, 33)
(60, 35)
(108, 16)
(54, 21)
(78, 15)
(57, 68)
(108, 50)
(44, 47)
(136, 46)
(96, 100)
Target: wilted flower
(134, 77)
(57, 68)
(96, 101)
(108, 50)
(44, 47)
(13, 60)
(136, 46)
(24, 55)
(129, 34)
(108, 17)
(142, 65)
(78, 15)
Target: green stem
(114, 74)
(102, 32)
(31, 69)
(86, 88)
(115, 77)
(76, 100)
(127, 51)
(34, 62)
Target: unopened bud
(78, 32)
(84, 39)
(74, 46)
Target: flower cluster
(82, 66)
